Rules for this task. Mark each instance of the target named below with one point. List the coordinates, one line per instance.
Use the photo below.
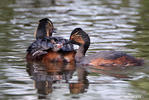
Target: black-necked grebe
(102, 58)
(45, 46)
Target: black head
(79, 37)
(45, 28)
(44, 20)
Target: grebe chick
(102, 58)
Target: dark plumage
(45, 43)
(102, 58)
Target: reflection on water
(112, 24)
(47, 74)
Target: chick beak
(59, 45)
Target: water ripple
(111, 24)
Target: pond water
(121, 25)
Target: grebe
(102, 58)
(45, 46)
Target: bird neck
(81, 52)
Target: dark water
(112, 25)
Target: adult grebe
(102, 58)
(46, 47)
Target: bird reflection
(82, 85)
(48, 73)
(117, 72)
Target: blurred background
(111, 24)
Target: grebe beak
(54, 30)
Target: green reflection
(6, 15)
(141, 84)
(141, 33)
(9, 43)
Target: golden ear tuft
(35, 33)
(47, 33)
(76, 34)
(47, 30)
(50, 23)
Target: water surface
(111, 24)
